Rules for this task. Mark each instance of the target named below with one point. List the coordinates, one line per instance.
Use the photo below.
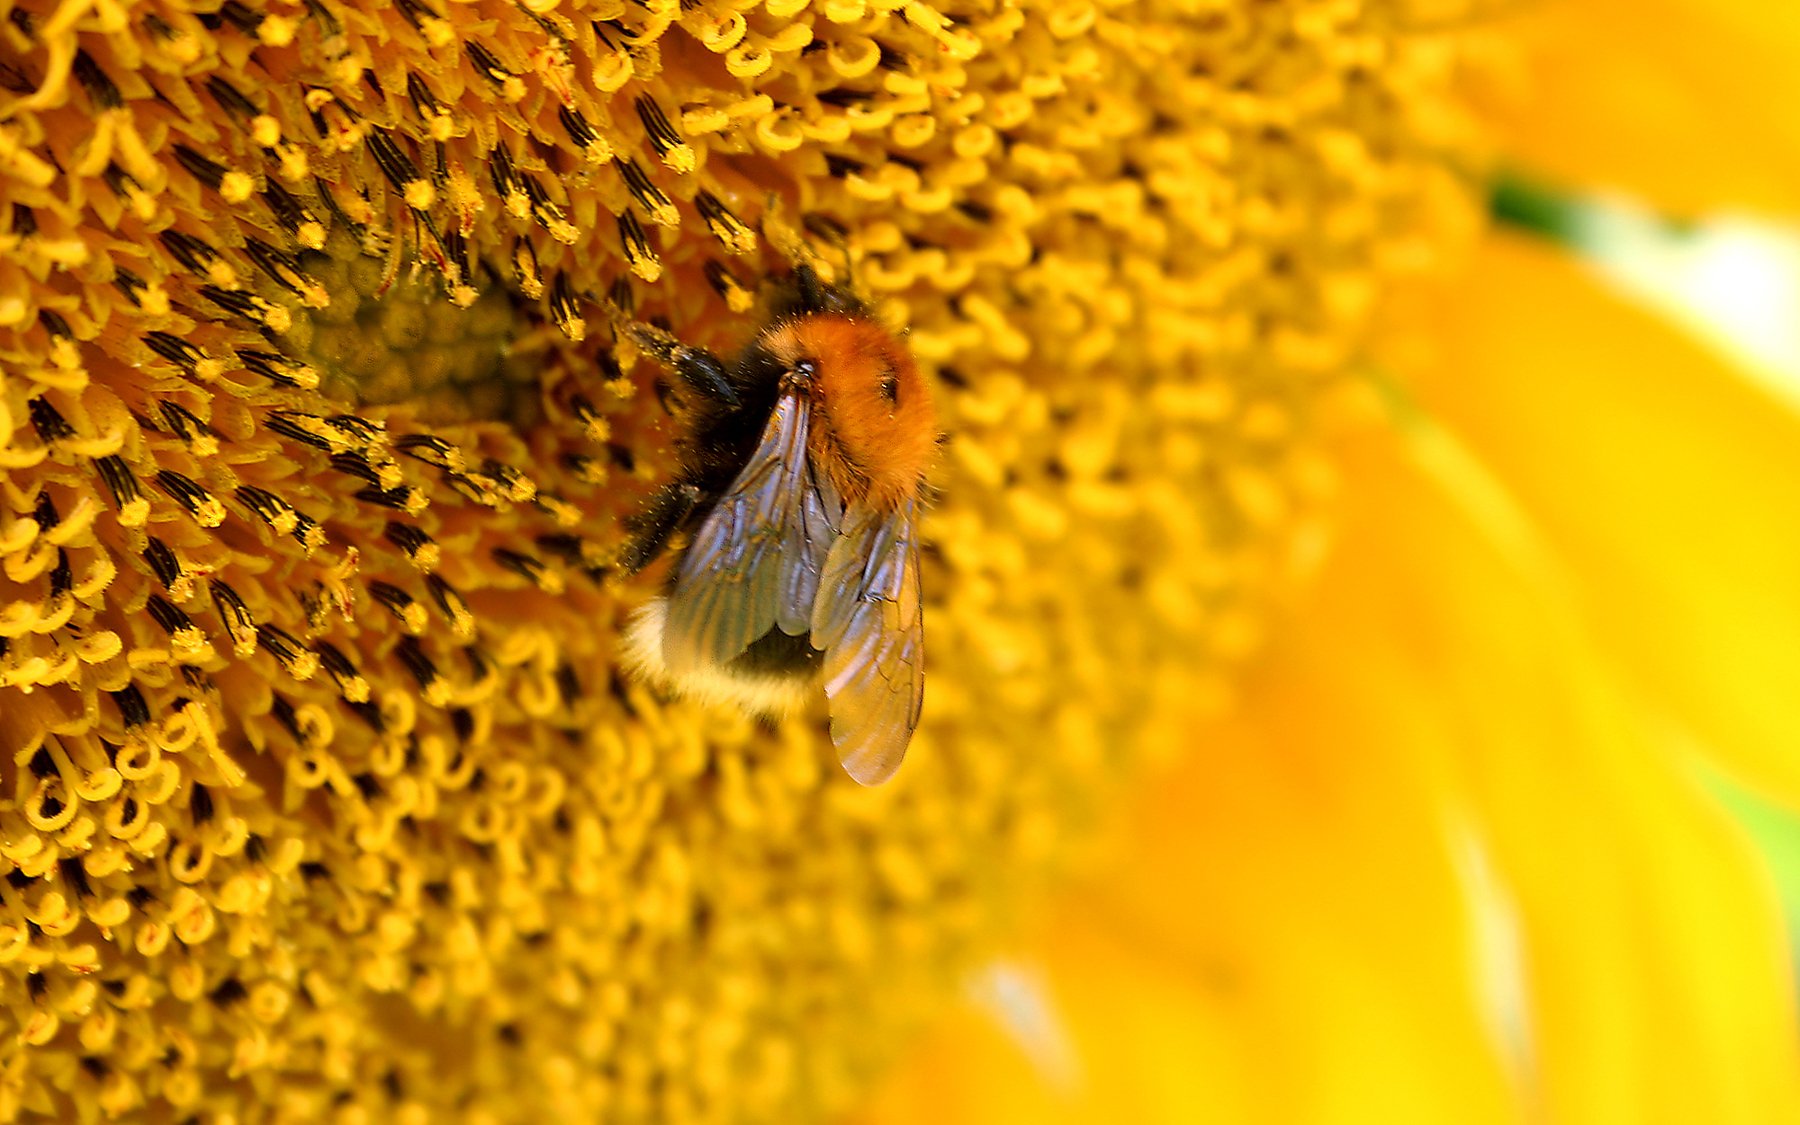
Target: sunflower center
(389, 333)
(323, 790)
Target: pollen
(320, 784)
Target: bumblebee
(798, 495)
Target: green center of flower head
(318, 786)
(381, 340)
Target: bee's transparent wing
(869, 622)
(754, 563)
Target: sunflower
(323, 793)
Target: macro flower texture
(1343, 616)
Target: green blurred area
(1776, 831)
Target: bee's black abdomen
(779, 654)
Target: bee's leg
(649, 530)
(697, 367)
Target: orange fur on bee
(882, 431)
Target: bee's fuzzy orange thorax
(881, 431)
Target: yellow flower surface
(1682, 102)
(323, 798)
(1461, 855)
(1454, 860)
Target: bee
(798, 492)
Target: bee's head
(878, 426)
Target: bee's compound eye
(890, 387)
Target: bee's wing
(869, 622)
(754, 563)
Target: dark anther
(424, 102)
(530, 569)
(184, 423)
(408, 538)
(174, 349)
(335, 662)
(631, 238)
(281, 266)
(202, 169)
(723, 281)
(287, 425)
(183, 491)
(462, 723)
(241, 17)
(231, 100)
(163, 562)
(247, 305)
(647, 194)
(395, 165)
(62, 579)
(191, 252)
(565, 310)
(396, 599)
(487, 64)
(94, 80)
(843, 96)
(168, 615)
(233, 612)
(577, 126)
(51, 427)
(275, 368)
(663, 136)
(401, 498)
(430, 449)
(129, 284)
(284, 714)
(417, 12)
(501, 169)
(283, 645)
(43, 513)
(263, 504)
(119, 480)
(417, 662)
(200, 804)
(355, 465)
(568, 686)
(288, 210)
(448, 600)
(133, 711)
(229, 992)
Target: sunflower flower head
(319, 792)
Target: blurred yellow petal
(1657, 986)
(1663, 477)
(1686, 103)
(1435, 871)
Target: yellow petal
(1666, 481)
(1686, 103)
(1434, 871)
(1657, 985)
